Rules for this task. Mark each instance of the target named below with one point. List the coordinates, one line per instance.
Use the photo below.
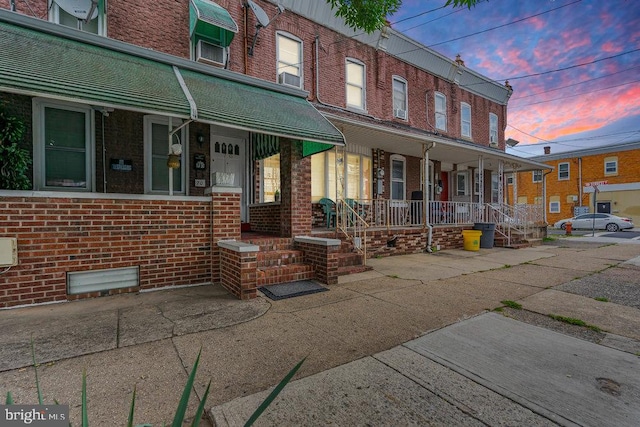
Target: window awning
(39, 64)
(212, 22)
(44, 59)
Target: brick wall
(592, 170)
(295, 185)
(168, 240)
(412, 240)
(265, 218)
(323, 258)
(225, 218)
(239, 272)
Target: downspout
(245, 8)
(544, 196)
(425, 195)
(13, 5)
(580, 179)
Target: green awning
(211, 22)
(258, 109)
(310, 148)
(40, 64)
(44, 59)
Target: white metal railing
(411, 213)
(350, 220)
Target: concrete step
(284, 274)
(352, 269)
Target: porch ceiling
(410, 143)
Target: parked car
(599, 221)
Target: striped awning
(39, 58)
(212, 22)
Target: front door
(603, 207)
(227, 158)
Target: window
(510, 179)
(493, 129)
(67, 16)
(399, 98)
(355, 84)
(554, 207)
(156, 149)
(563, 171)
(398, 177)
(462, 184)
(495, 187)
(465, 120)
(270, 174)
(289, 61)
(63, 156)
(357, 170)
(611, 166)
(537, 176)
(476, 182)
(441, 111)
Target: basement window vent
(81, 282)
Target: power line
(575, 95)
(573, 84)
(505, 25)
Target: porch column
(515, 184)
(480, 180)
(295, 189)
(501, 182)
(225, 222)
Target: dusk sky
(600, 98)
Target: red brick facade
(169, 240)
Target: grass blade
(9, 399)
(184, 400)
(132, 408)
(35, 368)
(198, 415)
(85, 416)
(276, 391)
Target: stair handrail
(347, 219)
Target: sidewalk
(151, 340)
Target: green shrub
(14, 161)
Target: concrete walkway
(368, 343)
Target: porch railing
(412, 213)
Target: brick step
(279, 257)
(349, 259)
(353, 269)
(284, 274)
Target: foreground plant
(181, 410)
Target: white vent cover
(80, 282)
(401, 114)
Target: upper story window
(537, 176)
(611, 166)
(441, 111)
(563, 171)
(289, 60)
(399, 98)
(465, 120)
(211, 29)
(355, 78)
(63, 157)
(493, 129)
(91, 20)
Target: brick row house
(567, 191)
(197, 142)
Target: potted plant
(276, 195)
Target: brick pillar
(225, 203)
(239, 263)
(295, 189)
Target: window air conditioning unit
(401, 114)
(289, 79)
(493, 142)
(208, 53)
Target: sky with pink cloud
(574, 65)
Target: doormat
(291, 289)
